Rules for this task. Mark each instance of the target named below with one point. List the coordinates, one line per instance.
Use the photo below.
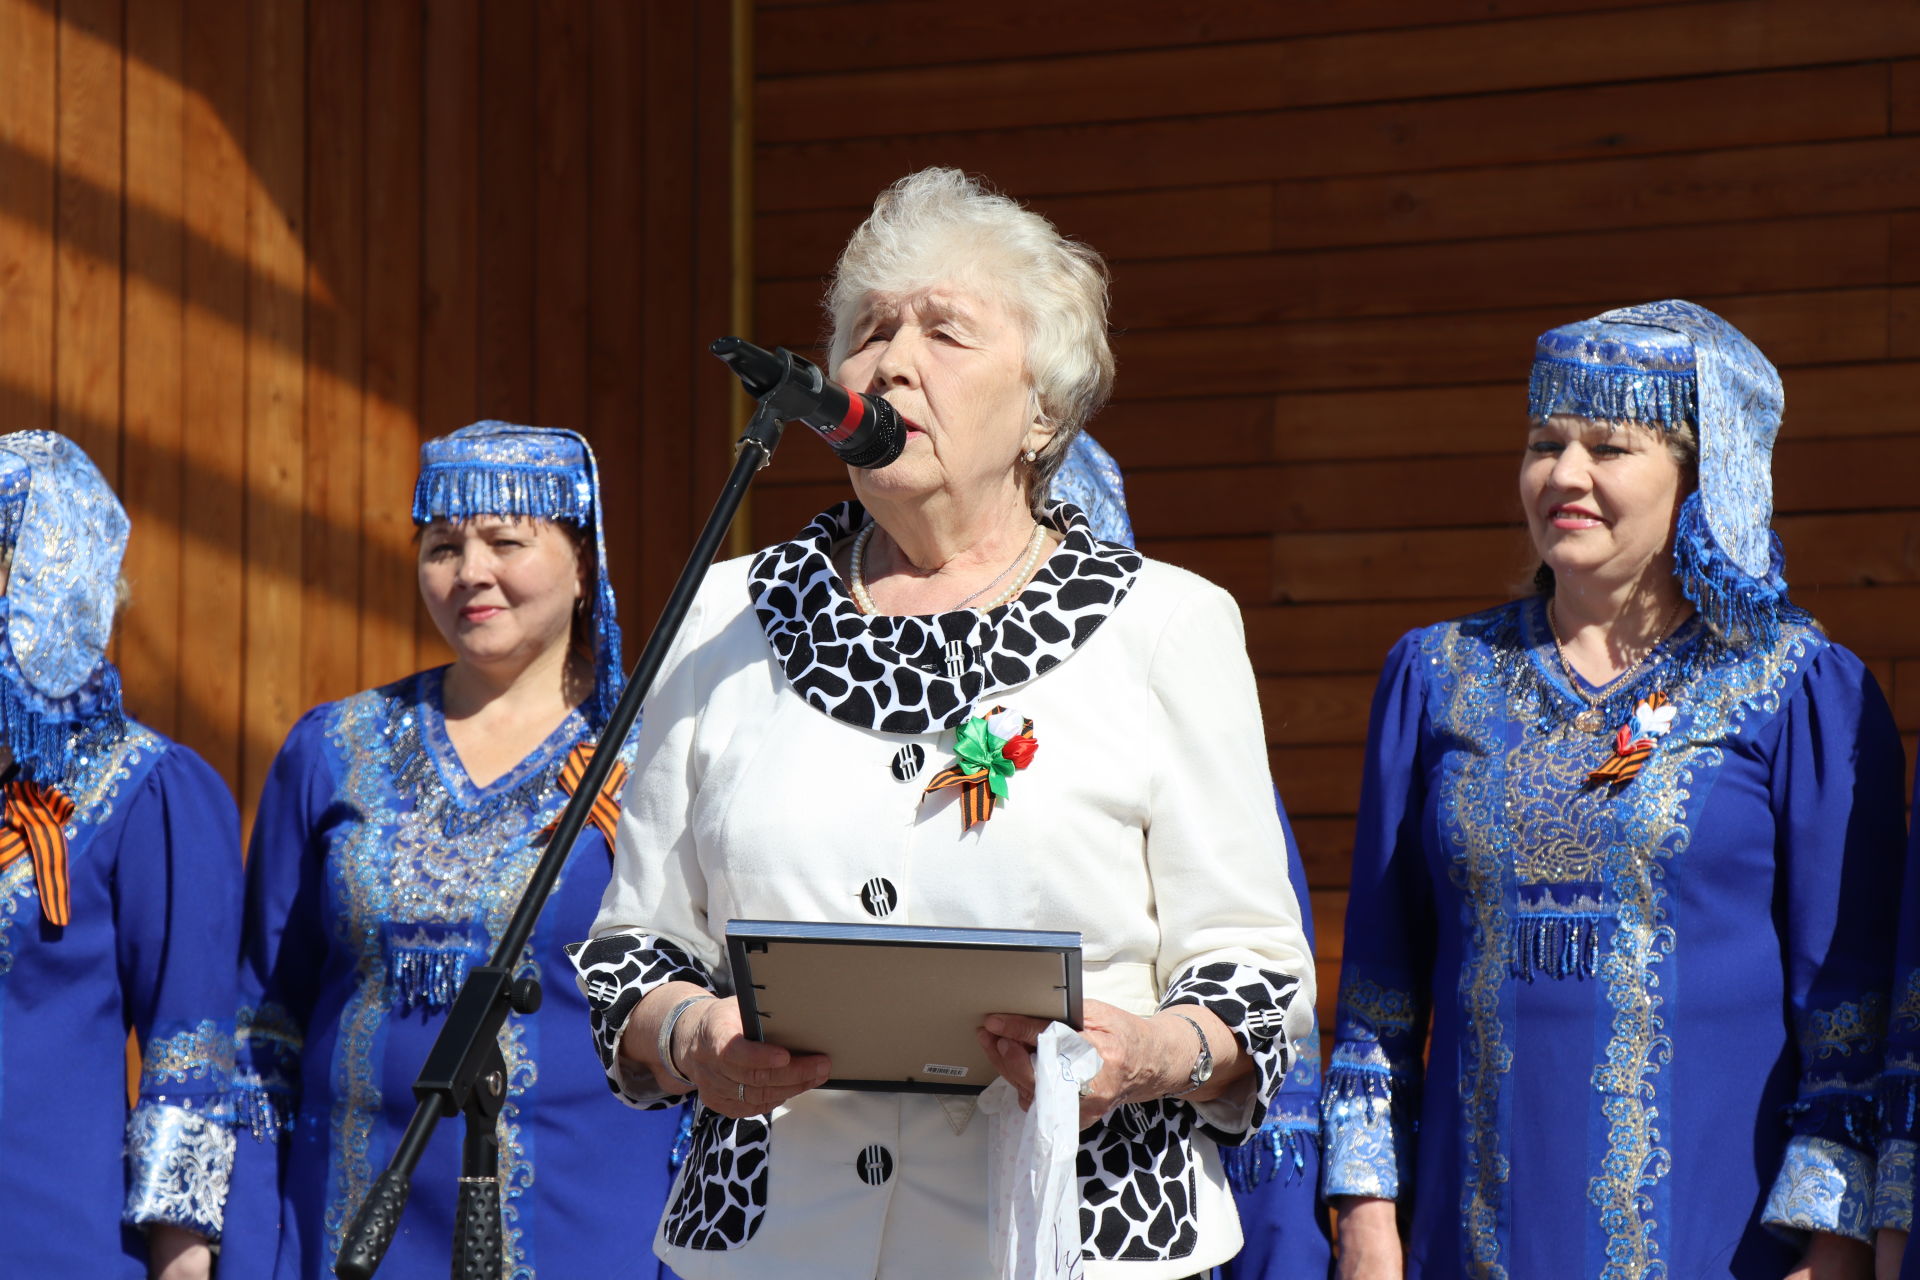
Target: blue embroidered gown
(1276, 1175)
(1655, 1009)
(378, 874)
(154, 871)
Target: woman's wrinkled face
(500, 590)
(1601, 498)
(953, 363)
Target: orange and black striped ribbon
(36, 819)
(1629, 755)
(606, 805)
(976, 797)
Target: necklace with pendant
(1591, 719)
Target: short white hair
(940, 225)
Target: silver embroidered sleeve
(179, 1162)
(1371, 1093)
(1823, 1186)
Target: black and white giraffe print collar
(923, 674)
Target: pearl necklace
(1025, 562)
(1589, 720)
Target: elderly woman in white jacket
(788, 753)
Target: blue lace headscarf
(66, 534)
(1089, 478)
(1673, 362)
(544, 473)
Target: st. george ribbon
(864, 430)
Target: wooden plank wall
(251, 251)
(1335, 231)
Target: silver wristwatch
(1202, 1066)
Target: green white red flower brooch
(990, 750)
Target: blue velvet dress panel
(1656, 1006)
(379, 874)
(1276, 1175)
(154, 868)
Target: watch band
(1202, 1066)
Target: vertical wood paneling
(331, 533)
(666, 424)
(723, 231)
(449, 331)
(505, 202)
(617, 412)
(251, 252)
(276, 382)
(561, 213)
(389, 599)
(28, 128)
(149, 632)
(87, 260)
(214, 383)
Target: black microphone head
(886, 440)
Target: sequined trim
(203, 1053)
(179, 1162)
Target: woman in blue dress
(119, 909)
(1628, 853)
(395, 834)
(1276, 1174)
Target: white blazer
(1146, 822)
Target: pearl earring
(1029, 455)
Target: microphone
(864, 430)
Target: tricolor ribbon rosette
(990, 750)
(1635, 741)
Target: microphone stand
(464, 1073)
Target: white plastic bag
(1033, 1195)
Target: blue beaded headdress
(1089, 478)
(1665, 363)
(66, 533)
(545, 473)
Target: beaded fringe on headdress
(1741, 610)
(487, 489)
(1656, 397)
(461, 491)
(41, 732)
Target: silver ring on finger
(740, 1090)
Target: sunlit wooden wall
(1335, 231)
(251, 251)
